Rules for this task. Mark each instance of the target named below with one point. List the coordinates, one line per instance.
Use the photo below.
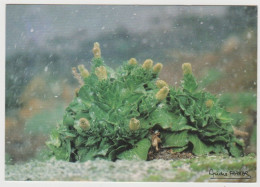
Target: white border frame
(3, 4)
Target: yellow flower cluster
(101, 73)
(134, 124)
(162, 93)
(96, 50)
(157, 68)
(209, 103)
(160, 84)
(84, 124)
(83, 71)
(132, 61)
(148, 64)
(186, 68)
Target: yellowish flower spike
(160, 84)
(101, 73)
(186, 68)
(209, 103)
(77, 76)
(148, 64)
(96, 50)
(134, 124)
(83, 71)
(162, 93)
(157, 68)
(84, 124)
(132, 61)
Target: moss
(220, 162)
(154, 178)
(183, 175)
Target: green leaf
(139, 152)
(80, 140)
(199, 148)
(68, 120)
(69, 135)
(103, 147)
(175, 139)
(189, 83)
(219, 148)
(235, 149)
(85, 94)
(61, 153)
(223, 116)
(162, 117)
(82, 114)
(178, 149)
(87, 153)
(133, 98)
(92, 141)
(116, 151)
(96, 63)
(54, 139)
(181, 124)
(148, 103)
(97, 114)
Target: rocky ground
(179, 169)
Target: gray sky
(40, 22)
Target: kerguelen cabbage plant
(125, 113)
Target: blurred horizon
(38, 23)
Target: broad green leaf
(219, 148)
(176, 139)
(148, 103)
(85, 95)
(162, 117)
(178, 149)
(199, 148)
(68, 120)
(181, 124)
(132, 99)
(97, 114)
(82, 114)
(87, 153)
(113, 154)
(189, 83)
(103, 106)
(77, 104)
(139, 152)
(235, 149)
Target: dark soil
(168, 154)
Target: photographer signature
(232, 174)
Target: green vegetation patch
(122, 114)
